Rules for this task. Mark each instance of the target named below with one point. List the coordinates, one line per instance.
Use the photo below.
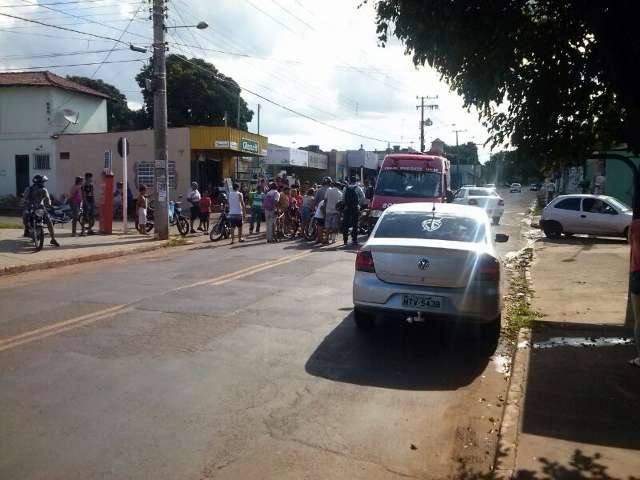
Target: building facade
(36, 108)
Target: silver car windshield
(618, 204)
(429, 226)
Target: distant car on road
(429, 259)
(490, 185)
(589, 214)
(515, 188)
(533, 187)
(482, 197)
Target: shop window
(41, 161)
(65, 155)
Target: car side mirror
(502, 238)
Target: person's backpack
(350, 198)
(269, 202)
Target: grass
(176, 241)
(11, 225)
(518, 311)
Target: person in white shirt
(193, 197)
(236, 212)
(332, 197)
(320, 222)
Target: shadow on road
(587, 241)
(579, 466)
(583, 393)
(402, 356)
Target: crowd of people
(287, 212)
(331, 207)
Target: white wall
(92, 112)
(24, 145)
(29, 116)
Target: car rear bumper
(481, 303)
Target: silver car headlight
(375, 213)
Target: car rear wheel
(552, 229)
(363, 320)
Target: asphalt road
(235, 362)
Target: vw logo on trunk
(424, 263)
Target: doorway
(22, 174)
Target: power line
(284, 107)
(63, 28)
(106, 57)
(81, 17)
(62, 54)
(53, 3)
(44, 67)
(57, 37)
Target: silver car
(589, 214)
(426, 259)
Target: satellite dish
(71, 116)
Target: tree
(119, 116)
(197, 94)
(554, 78)
(511, 166)
(465, 154)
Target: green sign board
(247, 145)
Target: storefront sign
(221, 144)
(247, 145)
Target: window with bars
(41, 161)
(146, 174)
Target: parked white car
(429, 260)
(588, 214)
(515, 188)
(482, 197)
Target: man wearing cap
(193, 197)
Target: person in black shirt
(89, 202)
(37, 196)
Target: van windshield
(409, 183)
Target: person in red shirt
(205, 210)
(634, 283)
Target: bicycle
(221, 229)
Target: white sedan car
(589, 214)
(483, 197)
(429, 260)
(515, 188)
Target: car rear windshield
(485, 192)
(409, 183)
(428, 226)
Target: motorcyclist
(37, 196)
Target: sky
(320, 59)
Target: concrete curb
(505, 462)
(77, 260)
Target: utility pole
(161, 165)
(258, 119)
(238, 117)
(423, 122)
(456, 132)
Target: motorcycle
(35, 225)
(311, 230)
(222, 229)
(177, 218)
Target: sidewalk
(18, 255)
(580, 413)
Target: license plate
(421, 301)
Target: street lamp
(199, 26)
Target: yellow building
(224, 152)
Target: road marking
(65, 325)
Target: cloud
(321, 59)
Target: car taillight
(473, 202)
(488, 268)
(501, 203)
(364, 262)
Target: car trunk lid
(436, 263)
